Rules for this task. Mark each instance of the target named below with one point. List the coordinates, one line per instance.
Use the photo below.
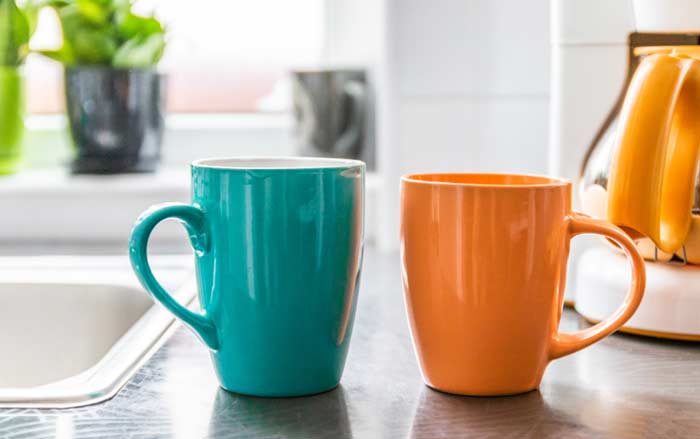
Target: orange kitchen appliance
(640, 172)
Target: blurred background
(460, 85)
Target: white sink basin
(74, 329)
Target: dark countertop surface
(624, 386)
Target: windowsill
(187, 137)
(185, 121)
(50, 206)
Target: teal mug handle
(192, 217)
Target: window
(223, 55)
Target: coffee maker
(629, 145)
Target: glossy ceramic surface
(11, 118)
(655, 162)
(332, 109)
(116, 118)
(278, 247)
(640, 171)
(484, 264)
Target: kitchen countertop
(624, 386)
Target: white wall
(353, 32)
(462, 85)
(472, 80)
(466, 89)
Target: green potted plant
(14, 40)
(114, 94)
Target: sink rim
(125, 357)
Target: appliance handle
(567, 343)
(654, 165)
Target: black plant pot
(116, 118)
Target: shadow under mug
(278, 250)
(484, 273)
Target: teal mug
(278, 251)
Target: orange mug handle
(567, 343)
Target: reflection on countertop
(625, 386)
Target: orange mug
(484, 270)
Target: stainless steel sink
(74, 329)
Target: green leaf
(14, 34)
(130, 25)
(62, 55)
(94, 11)
(87, 42)
(105, 32)
(92, 46)
(140, 52)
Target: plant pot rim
(326, 70)
(101, 68)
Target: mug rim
(530, 180)
(280, 163)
